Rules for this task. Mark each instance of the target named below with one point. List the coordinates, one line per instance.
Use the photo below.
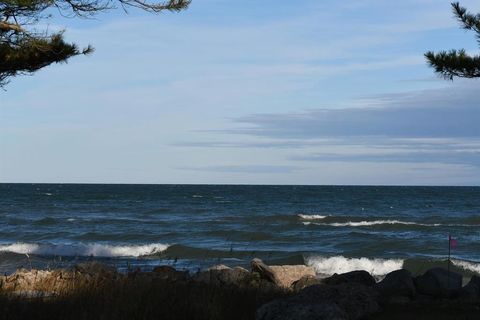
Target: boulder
(397, 283)
(27, 281)
(305, 281)
(282, 276)
(359, 276)
(439, 282)
(471, 291)
(287, 275)
(345, 301)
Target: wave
(379, 267)
(365, 223)
(361, 221)
(311, 216)
(467, 265)
(341, 264)
(82, 249)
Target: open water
(332, 228)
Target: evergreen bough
(24, 49)
(457, 63)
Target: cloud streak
(446, 113)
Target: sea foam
(311, 216)
(84, 249)
(374, 222)
(467, 265)
(341, 264)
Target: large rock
(28, 281)
(471, 291)
(397, 283)
(282, 276)
(49, 282)
(439, 282)
(287, 275)
(353, 301)
(359, 276)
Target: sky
(250, 92)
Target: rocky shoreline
(294, 291)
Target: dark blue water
(333, 228)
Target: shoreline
(265, 290)
(324, 266)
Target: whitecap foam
(467, 265)
(341, 264)
(81, 249)
(311, 216)
(376, 222)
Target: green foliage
(457, 63)
(24, 50)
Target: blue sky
(261, 92)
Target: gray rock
(360, 276)
(397, 283)
(439, 282)
(345, 301)
(285, 310)
(288, 274)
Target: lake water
(332, 228)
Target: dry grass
(140, 298)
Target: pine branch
(457, 63)
(454, 63)
(23, 51)
(31, 54)
(468, 20)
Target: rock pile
(352, 295)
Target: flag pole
(448, 262)
(449, 250)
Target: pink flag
(453, 242)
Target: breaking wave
(84, 249)
(467, 265)
(341, 264)
(311, 216)
(373, 223)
